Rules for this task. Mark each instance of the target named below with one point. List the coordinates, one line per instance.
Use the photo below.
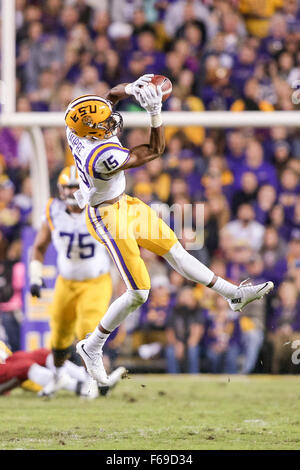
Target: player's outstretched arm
(39, 249)
(124, 90)
(143, 154)
(151, 99)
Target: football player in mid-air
(123, 223)
(83, 287)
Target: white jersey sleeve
(107, 159)
(100, 166)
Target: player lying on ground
(35, 371)
(83, 287)
(110, 213)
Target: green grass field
(154, 412)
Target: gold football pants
(124, 227)
(77, 308)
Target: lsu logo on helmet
(92, 116)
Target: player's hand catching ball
(150, 98)
(135, 87)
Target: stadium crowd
(220, 55)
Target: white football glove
(35, 276)
(150, 98)
(134, 87)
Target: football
(166, 85)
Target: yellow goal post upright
(36, 121)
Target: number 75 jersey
(79, 256)
(99, 164)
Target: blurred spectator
(183, 11)
(273, 254)
(23, 201)
(293, 251)
(160, 179)
(247, 193)
(153, 319)
(255, 163)
(222, 338)
(266, 198)
(218, 93)
(259, 15)
(252, 319)
(9, 212)
(184, 332)
(245, 227)
(277, 219)
(281, 155)
(235, 149)
(12, 280)
(252, 98)
(244, 66)
(289, 190)
(284, 326)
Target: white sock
(122, 307)
(39, 374)
(96, 340)
(117, 312)
(193, 270)
(224, 288)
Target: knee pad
(138, 297)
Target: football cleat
(94, 364)
(247, 293)
(114, 378)
(89, 389)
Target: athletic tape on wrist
(35, 271)
(128, 89)
(156, 120)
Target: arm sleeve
(106, 159)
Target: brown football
(166, 85)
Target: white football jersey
(79, 256)
(95, 161)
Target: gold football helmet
(68, 180)
(92, 116)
